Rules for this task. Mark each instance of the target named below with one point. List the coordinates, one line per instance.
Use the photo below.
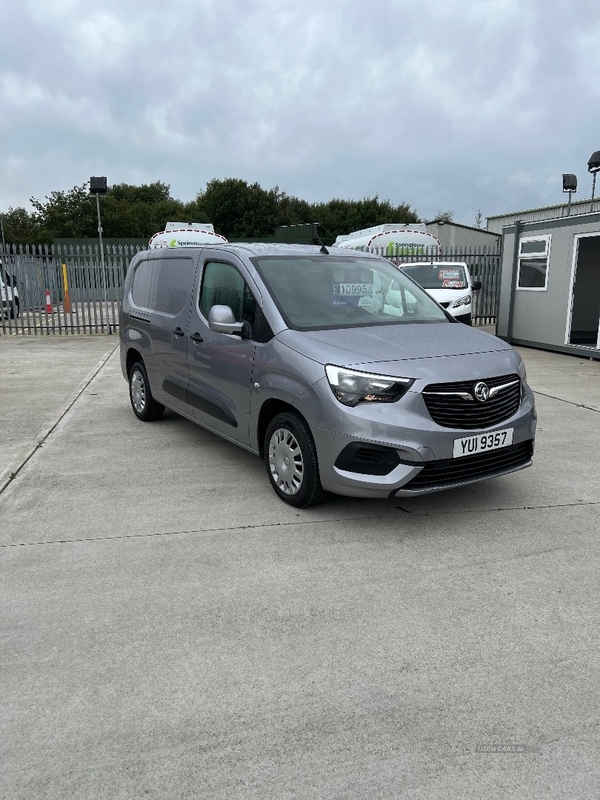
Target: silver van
(333, 366)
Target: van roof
(279, 249)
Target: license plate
(482, 442)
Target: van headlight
(352, 387)
(523, 375)
(462, 301)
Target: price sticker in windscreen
(449, 274)
(351, 293)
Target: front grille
(448, 406)
(437, 474)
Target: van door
(221, 365)
(156, 313)
(168, 326)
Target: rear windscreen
(438, 276)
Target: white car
(449, 283)
(9, 295)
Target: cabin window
(534, 257)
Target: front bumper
(416, 452)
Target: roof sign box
(395, 239)
(185, 237)
(189, 226)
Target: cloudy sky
(460, 105)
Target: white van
(449, 283)
(9, 294)
(393, 240)
(186, 234)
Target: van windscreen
(313, 293)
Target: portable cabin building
(550, 284)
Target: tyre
(143, 403)
(291, 459)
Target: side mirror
(221, 319)
(476, 286)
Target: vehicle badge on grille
(481, 392)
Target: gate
(64, 289)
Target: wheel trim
(138, 391)
(286, 462)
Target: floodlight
(569, 182)
(98, 186)
(594, 162)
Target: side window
(144, 283)
(223, 285)
(534, 255)
(173, 287)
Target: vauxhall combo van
(334, 367)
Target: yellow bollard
(66, 288)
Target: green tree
(65, 214)
(19, 227)
(343, 216)
(238, 209)
(138, 211)
(126, 211)
(444, 216)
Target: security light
(594, 162)
(570, 186)
(98, 186)
(594, 167)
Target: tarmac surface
(170, 629)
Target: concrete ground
(170, 629)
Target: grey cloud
(452, 104)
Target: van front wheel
(145, 407)
(291, 459)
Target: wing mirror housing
(221, 319)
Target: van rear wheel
(291, 459)
(145, 407)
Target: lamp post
(570, 186)
(99, 186)
(594, 167)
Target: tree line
(235, 208)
